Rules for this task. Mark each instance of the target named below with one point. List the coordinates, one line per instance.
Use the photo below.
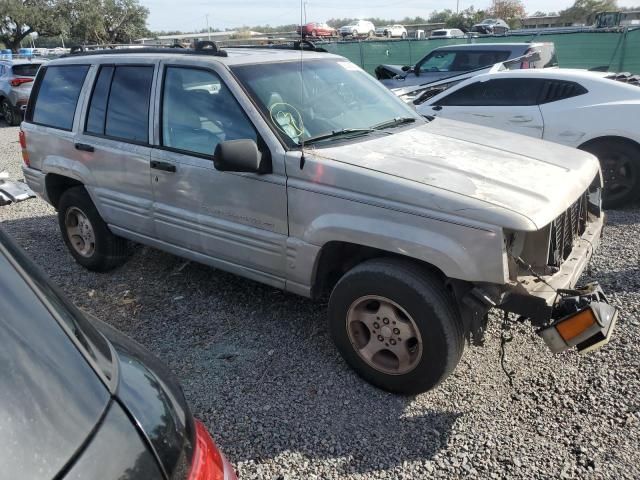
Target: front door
(234, 221)
(506, 103)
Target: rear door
(113, 143)
(505, 103)
(235, 221)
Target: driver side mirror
(240, 156)
(406, 68)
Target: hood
(530, 182)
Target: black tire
(109, 251)
(9, 113)
(620, 163)
(423, 296)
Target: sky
(192, 15)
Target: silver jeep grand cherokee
(299, 170)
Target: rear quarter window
(57, 96)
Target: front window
(318, 97)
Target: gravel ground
(259, 368)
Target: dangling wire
(505, 338)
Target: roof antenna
(302, 159)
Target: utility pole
(305, 13)
(208, 28)
(457, 7)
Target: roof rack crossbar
(201, 48)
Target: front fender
(460, 250)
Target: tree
(511, 11)
(107, 21)
(582, 11)
(20, 18)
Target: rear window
(26, 70)
(58, 94)
(439, 34)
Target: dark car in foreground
(80, 400)
(452, 60)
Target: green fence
(620, 51)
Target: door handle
(437, 108)
(164, 166)
(84, 147)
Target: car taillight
(208, 462)
(16, 82)
(23, 146)
(525, 64)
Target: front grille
(566, 229)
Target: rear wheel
(620, 163)
(9, 113)
(86, 235)
(396, 325)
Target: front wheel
(86, 235)
(396, 325)
(620, 163)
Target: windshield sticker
(287, 119)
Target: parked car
(82, 400)
(361, 28)
(414, 227)
(16, 80)
(392, 31)
(451, 60)
(491, 26)
(315, 29)
(586, 110)
(447, 33)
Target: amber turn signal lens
(575, 325)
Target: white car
(582, 109)
(359, 28)
(392, 31)
(447, 33)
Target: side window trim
(84, 131)
(262, 146)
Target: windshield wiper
(396, 122)
(339, 133)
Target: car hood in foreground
(497, 177)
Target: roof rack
(293, 45)
(201, 48)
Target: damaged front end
(582, 318)
(544, 267)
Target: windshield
(460, 61)
(322, 97)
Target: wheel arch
(336, 258)
(56, 185)
(608, 138)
